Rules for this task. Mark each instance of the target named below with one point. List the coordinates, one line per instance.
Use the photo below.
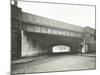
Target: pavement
(91, 55)
(27, 59)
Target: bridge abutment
(31, 46)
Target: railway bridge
(34, 35)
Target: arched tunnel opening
(60, 49)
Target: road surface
(62, 62)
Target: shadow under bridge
(34, 44)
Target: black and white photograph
(52, 37)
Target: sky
(74, 14)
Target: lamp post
(84, 48)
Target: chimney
(15, 2)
